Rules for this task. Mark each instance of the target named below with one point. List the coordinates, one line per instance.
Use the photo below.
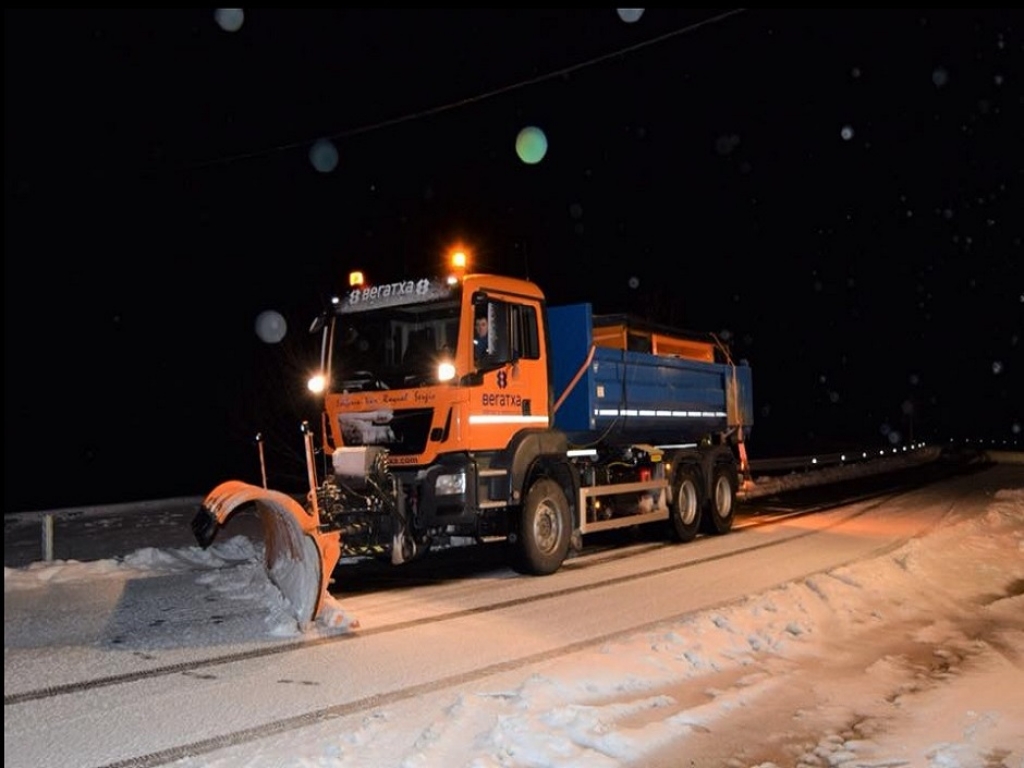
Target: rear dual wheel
(687, 503)
(721, 507)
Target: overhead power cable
(481, 96)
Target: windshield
(393, 347)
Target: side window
(503, 331)
(525, 342)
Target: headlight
(317, 384)
(445, 372)
(448, 485)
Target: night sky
(837, 193)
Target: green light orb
(531, 145)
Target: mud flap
(299, 557)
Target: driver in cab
(480, 341)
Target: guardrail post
(48, 538)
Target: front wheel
(544, 530)
(722, 504)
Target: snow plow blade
(299, 558)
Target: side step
(483, 488)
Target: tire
(544, 530)
(687, 504)
(721, 506)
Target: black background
(159, 195)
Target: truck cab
(402, 370)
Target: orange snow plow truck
(463, 408)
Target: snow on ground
(915, 658)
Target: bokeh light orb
(725, 145)
(630, 15)
(271, 326)
(531, 145)
(324, 155)
(229, 19)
